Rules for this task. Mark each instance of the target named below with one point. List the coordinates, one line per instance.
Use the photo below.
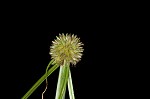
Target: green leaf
(36, 85)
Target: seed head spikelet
(66, 48)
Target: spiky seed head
(66, 48)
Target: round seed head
(66, 48)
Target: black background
(104, 70)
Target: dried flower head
(66, 48)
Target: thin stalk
(62, 81)
(35, 86)
(46, 78)
(64, 92)
(70, 86)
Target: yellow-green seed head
(66, 48)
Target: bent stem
(46, 78)
(35, 86)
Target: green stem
(62, 81)
(64, 92)
(34, 87)
(51, 62)
(70, 86)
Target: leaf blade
(35, 86)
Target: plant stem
(34, 87)
(70, 86)
(64, 93)
(46, 78)
(62, 81)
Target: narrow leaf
(36, 85)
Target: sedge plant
(66, 50)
